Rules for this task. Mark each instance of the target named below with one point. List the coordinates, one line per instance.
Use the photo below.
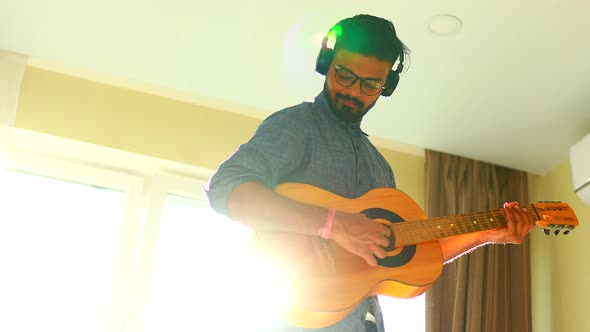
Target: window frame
(146, 182)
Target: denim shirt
(307, 143)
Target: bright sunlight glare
(58, 247)
(205, 276)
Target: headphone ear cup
(391, 84)
(323, 61)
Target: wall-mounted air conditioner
(580, 163)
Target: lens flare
(335, 32)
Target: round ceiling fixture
(444, 24)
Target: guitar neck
(407, 233)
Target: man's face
(350, 103)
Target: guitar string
(420, 231)
(416, 232)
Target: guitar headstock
(555, 217)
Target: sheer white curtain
(12, 68)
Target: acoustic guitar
(326, 282)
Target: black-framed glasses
(346, 78)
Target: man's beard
(346, 112)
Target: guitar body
(326, 281)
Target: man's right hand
(361, 236)
(257, 206)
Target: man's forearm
(456, 246)
(258, 207)
(518, 224)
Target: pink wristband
(327, 229)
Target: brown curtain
(489, 288)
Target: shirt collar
(322, 105)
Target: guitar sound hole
(406, 254)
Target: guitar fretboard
(407, 233)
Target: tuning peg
(558, 228)
(567, 231)
(548, 229)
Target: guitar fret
(415, 232)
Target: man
(321, 143)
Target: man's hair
(368, 35)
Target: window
(59, 243)
(406, 315)
(204, 278)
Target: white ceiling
(512, 87)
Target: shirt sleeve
(276, 149)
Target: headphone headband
(326, 55)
